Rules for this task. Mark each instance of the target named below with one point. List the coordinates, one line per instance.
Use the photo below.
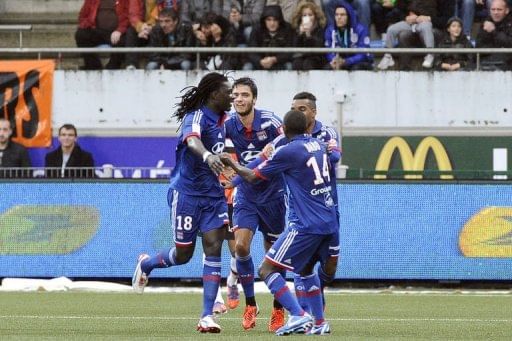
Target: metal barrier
(16, 28)
(60, 52)
(105, 172)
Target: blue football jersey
(305, 165)
(248, 143)
(191, 175)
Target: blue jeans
(466, 11)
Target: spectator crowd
(294, 23)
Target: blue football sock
(211, 281)
(245, 268)
(163, 259)
(277, 286)
(313, 297)
(300, 293)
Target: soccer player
(256, 206)
(312, 221)
(305, 102)
(196, 197)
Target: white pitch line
(177, 318)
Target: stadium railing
(112, 172)
(59, 53)
(16, 28)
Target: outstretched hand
(227, 160)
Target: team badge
(262, 135)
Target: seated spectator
(102, 22)
(289, 7)
(243, 15)
(143, 15)
(496, 32)
(191, 11)
(466, 10)
(454, 38)
(215, 31)
(69, 160)
(170, 32)
(386, 13)
(417, 30)
(273, 31)
(363, 9)
(309, 24)
(346, 32)
(12, 154)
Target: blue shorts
(190, 213)
(270, 218)
(294, 250)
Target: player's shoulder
(327, 132)
(269, 119)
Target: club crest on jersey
(262, 135)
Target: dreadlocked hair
(196, 96)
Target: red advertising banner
(26, 92)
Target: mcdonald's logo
(413, 161)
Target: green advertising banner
(432, 157)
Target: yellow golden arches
(413, 161)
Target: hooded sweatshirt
(354, 35)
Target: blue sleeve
(191, 125)
(328, 43)
(237, 180)
(279, 163)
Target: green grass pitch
(81, 315)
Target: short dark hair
(68, 126)
(249, 82)
(306, 95)
(169, 12)
(295, 122)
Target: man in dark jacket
(12, 154)
(273, 31)
(170, 32)
(69, 160)
(496, 32)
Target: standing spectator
(170, 32)
(496, 32)
(346, 32)
(466, 9)
(143, 15)
(417, 30)
(309, 24)
(454, 38)
(387, 12)
(12, 154)
(289, 7)
(273, 31)
(191, 11)
(248, 16)
(102, 22)
(69, 160)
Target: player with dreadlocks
(196, 197)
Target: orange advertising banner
(26, 92)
